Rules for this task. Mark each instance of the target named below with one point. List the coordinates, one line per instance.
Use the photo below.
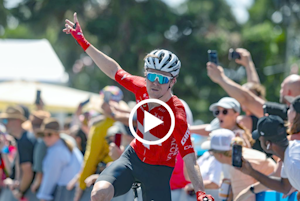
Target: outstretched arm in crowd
(247, 62)
(273, 182)
(199, 129)
(104, 62)
(242, 95)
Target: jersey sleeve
(130, 82)
(182, 135)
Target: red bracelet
(78, 36)
(200, 193)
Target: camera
(232, 54)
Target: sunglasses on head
(162, 79)
(217, 112)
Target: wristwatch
(252, 189)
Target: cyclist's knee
(102, 191)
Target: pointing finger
(75, 18)
(69, 23)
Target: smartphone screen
(237, 155)
(213, 56)
(118, 139)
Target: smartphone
(213, 56)
(38, 97)
(232, 55)
(237, 155)
(118, 139)
(107, 96)
(85, 102)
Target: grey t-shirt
(39, 153)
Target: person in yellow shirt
(97, 149)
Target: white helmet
(166, 61)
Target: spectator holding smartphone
(220, 146)
(290, 88)
(294, 134)
(272, 133)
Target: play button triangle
(150, 121)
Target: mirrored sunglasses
(162, 79)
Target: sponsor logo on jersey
(173, 150)
(188, 147)
(185, 137)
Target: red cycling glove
(201, 196)
(79, 37)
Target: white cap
(228, 103)
(220, 140)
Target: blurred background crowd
(58, 132)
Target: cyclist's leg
(155, 181)
(115, 180)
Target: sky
(239, 7)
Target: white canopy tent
(57, 99)
(31, 60)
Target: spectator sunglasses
(217, 112)
(47, 134)
(162, 79)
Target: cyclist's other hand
(201, 196)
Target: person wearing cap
(33, 125)
(12, 118)
(61, 163)
(273, 136)
(221, 147)
(97, 149)
(227, 110)
(294, 134)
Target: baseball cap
(13, 112)
(115, 92)
(228, 103)
(271, 127)
(220, 140)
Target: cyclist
(152, 165)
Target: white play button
(150, 121)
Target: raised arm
(242, 95)
(104, 62)
(247, 62)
